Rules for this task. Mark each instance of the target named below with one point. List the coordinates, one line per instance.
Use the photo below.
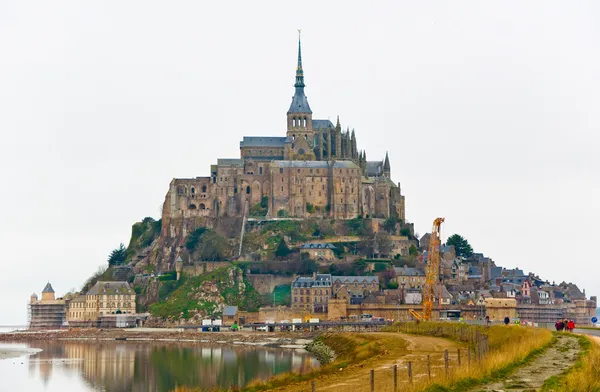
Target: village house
(321, 251)
(409, 277)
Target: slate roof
(110, 288)
(474, 271)
(264, 141)
(316, 164)
(445, 248)
(495, 272)
(319, 245)
(299, 102)
(409, 271)
(357, 279)
(323, 280)
(230, 162)
(230, 310)
(374, 169)
(48, 288)
(322, 124)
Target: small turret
(48, 293)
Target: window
(281, 170)
(260, 170)
(203, 188)
(248, 190)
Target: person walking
(571, 325)
(506, 320)
(566, 325)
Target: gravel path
(531, 377)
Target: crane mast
(433, 268)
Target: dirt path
(409, 348)
(531, 377)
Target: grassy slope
(182, 301)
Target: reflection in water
(129, 366)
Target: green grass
(179, 299)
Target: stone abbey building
(316, 170)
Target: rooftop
(316, 164)
(48, 288)
(320, 245)
(230, 310)
(355, 279)
(110, 288)
(264, 141)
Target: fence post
(395, 378)
(469, 357)
(410, 372)
(314, 386)
(458, 352)
(372, 380)
(429, 367)
(446, 362)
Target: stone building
(316, 169)
(311, 294)
(104, 298)
(320, 251)
(410, 278)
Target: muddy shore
(293, 340)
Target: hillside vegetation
(205, 295)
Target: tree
(390, 225)
(412, 251)
(212, 246)
(117, 256)
(193, 238)
(384, 244)
(461, 245)
(282, 249)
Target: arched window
(304, 122)
(202, 206)
(293, 122)
(192, 207)
(193, 190)
(248, 190)
(203, 188)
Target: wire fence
(423, 369)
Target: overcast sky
(489, 111)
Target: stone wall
(203, 267)
(266, 283)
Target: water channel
(113, 366)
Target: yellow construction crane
(432, 270)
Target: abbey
(315, 170)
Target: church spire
(299, 101)
(299, 72)
(386, 166)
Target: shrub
(282, 213)
(310, 208)
(193, 238)
(392, 285)
(356, 226)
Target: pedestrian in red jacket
(571, 325)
